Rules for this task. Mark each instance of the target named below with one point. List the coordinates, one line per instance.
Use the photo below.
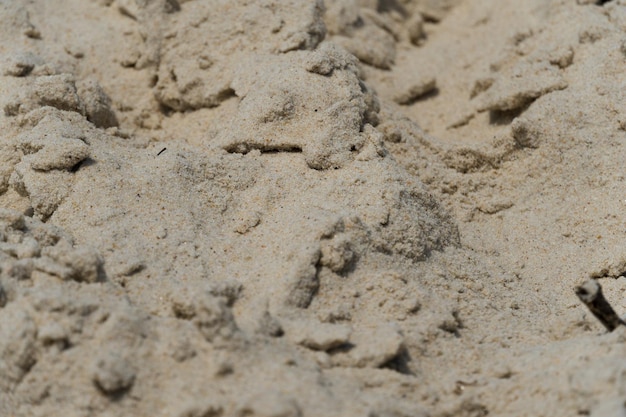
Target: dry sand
(375, 208)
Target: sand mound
(303, 208)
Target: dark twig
(590, 293)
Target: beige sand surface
(283, 208)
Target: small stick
(590, 293)
(161, 151)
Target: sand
(311, 208)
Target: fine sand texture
(303, 208)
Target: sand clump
(306, 207)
